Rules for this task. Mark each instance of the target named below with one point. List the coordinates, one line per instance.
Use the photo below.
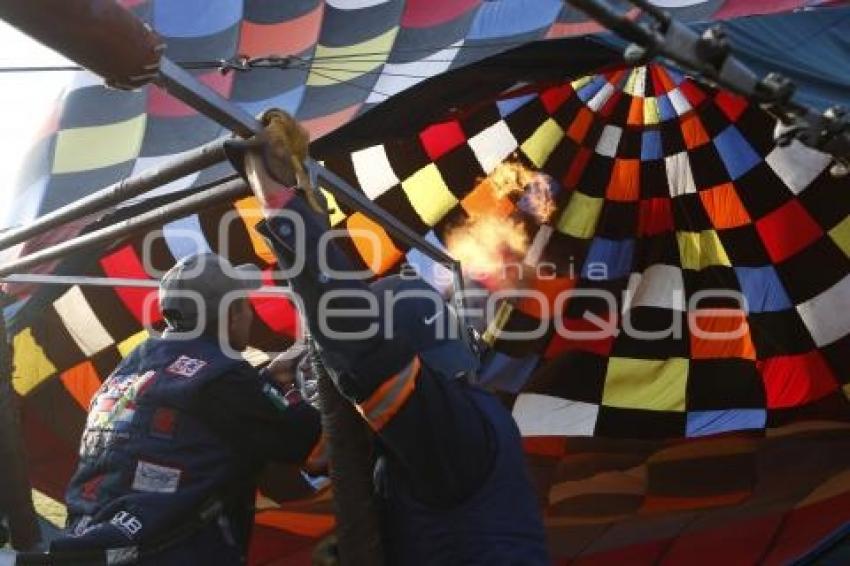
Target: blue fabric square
(608, 259)
(737, 154)
(650, 145)
(762, 289)
(703, 423)
(437, 275)
(510, 105)
(195, 18)
(508, 19)
(665, 108)
(589, 90)
(507, 373)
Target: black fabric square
(596, 176)
(652, 333)
(395, 199)
(106, 361)
(525, 120)
(50, 333)
(713, 119)
(594, 133)
(761, 191)
(566, 253)
(663, 248)
(707, 167)
(574, 375)
(826, 199)
(636, 423)
(743, 246)
(758, 125)
(518, 345)
(559, 161)
(831, 407)
(672, 140)
(64, 415)
(460, 170)
(631, 142)
(719, 281)
(480, 120)
(618, 220)
(779, 333)
(723, 384)
(597, 301)
(620, 111)
(838, 356)
(451, 220)
(406, 156)
(110, 310)
(813, 270)
(689, 213)
(653, 179)
(565, 115)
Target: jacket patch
(153, 478)
(89, 489)
(124, 555)
(185, 366)
(127, 523)
(163, 423)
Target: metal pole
(195, 160)
(187, 205)
(92, 281)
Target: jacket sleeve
(430, 425)
(253, 414)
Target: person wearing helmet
(451, 470)
(177, 434)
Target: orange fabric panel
(664, 78)
(304, 524)
(286, 38)
(625, 181)
(636, 112)
(250, 213)
(724, 206)
(82, 382)
(379, 254)
(693, 131)
(483, 199)
(715, 323)
(580, 125)
(386, 401)
(659, 503)
(551, 288)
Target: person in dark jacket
(177, 434)
(453, 475)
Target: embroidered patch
(123, 555)
(153, 478)
(185, 366)
(128, 524)
(88, 490)
(163, 423)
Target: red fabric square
(731, 104)
(143, 303)
(787, 230)
(572, 177)
(790, 381)
(553, 98)
(581, 334)
(654, 217)
(694, 94)
(439, 139)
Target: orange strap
(386, 401)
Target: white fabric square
(373, 170)
(797, 165)
(680, 179)
(544, 415)
(679, 102)
(660, 285)
(600, 98)
(609, 140)
(826, 316)
(81, 322)
(396, 77)
(493, 145)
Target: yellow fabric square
(80, 149)
(351, 61)
(31, 365)
(840, 234)
(657, 385)
(578, 83)
(337, 215)
(129, 344)
(539, 146)
(651, 115)
(698, 250)
(428, 194)
(580, 216)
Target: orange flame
(511, 178)
(485, 244)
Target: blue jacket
(453, 472)
(179, 428)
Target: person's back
(452, 471)
(173, 441)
